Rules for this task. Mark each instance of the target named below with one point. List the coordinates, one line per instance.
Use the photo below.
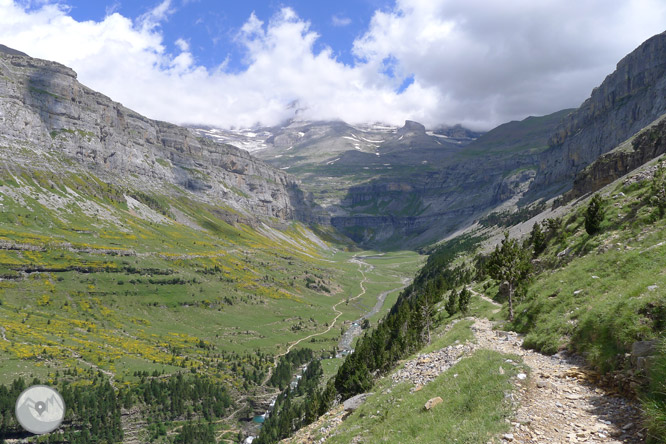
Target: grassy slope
(605, 293)
(597, 295)
(475, 407)
(100, 287)
(609, 291)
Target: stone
(355, 402)
(432, 402)
(508, 437)
(521, 376)
(643, 348)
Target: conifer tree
(537, 239)
(463, 300)
(452, 304)
(594, 215)
(511, 263)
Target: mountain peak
(412, 127)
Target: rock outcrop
(44, 108)
(628, 100)
(642, 148)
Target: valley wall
(44, 109)
(628, 100)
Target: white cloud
(476, 62)
(494, 61)
(337, 20)
(152, 19)
(182, 44)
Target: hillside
(148, 267)
(54, 118)
(594, 306)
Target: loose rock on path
(557, 404)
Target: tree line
(93, 408)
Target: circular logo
(40, 409)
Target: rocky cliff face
(647, 145)
(44, 107)
(422, 208)
(627, 101)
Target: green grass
(460, 333)
(89, 285)
(654, 399)
(169, 287)
(474, 410)
(597, 295)
(597, 301)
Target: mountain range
(159, 265)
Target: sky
(241, 64)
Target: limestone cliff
(627, 101)
(45, 109)
(645, 146)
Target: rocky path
(559, 403)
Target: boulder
(355, 402)
(433, 402)
(643, 348)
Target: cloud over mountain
(477, 62)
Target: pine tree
(511, 263)
(537, 239)
(594, 215)
(463, 300)
(452, 304)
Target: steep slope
(638, 150)
(427, 195)
(628, 99)
(596, 303)
(46, 112)
(402, 187)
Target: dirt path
(559, 403)
(338, 313)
